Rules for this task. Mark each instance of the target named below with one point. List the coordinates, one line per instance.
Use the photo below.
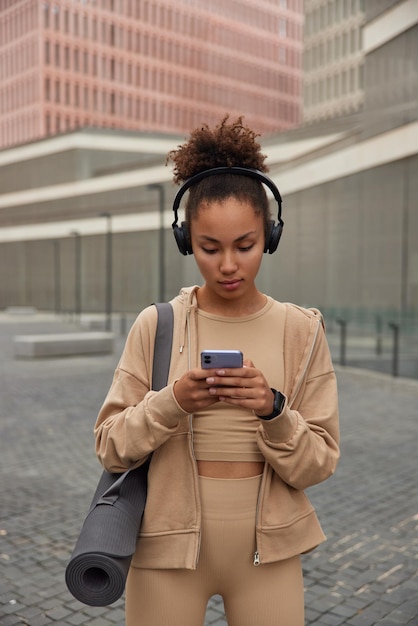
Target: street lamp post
(161, 192)
(57, 276)
(109, 263)
(77, 273)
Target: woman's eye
(245, 248)
(209, 250)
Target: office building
(333, 58)
(147, 65)
(349, 188)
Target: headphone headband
(239, 171)
(182, 233)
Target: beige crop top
(227, 433)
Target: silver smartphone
(221, 358)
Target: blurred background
(95, 93)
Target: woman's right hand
(192, 391)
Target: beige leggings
(267, 595)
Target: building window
(57, 91)
(46, 14)
(67, 57)
(47, 52)
(56, 12)
(57, 54)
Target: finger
(232, 392)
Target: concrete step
(63, 344)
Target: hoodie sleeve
(302, 443)
(134, 420)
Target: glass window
(46, 14)
(57, 91)
(56, 12)
(66, 57)
(47, 53)
(57, 54)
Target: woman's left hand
(245, 386)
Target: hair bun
(226, 145)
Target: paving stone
(364, 575)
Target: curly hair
(226, 145)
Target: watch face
(279, 401)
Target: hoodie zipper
(256, 559)
(189, 364)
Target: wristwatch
(278, 405)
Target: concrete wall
(349, 244)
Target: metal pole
(378, 335)
(395, 356)
(109, 263)
(77, 273)
(343, 339)
(161, 267)
(57, 276)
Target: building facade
(333, 58)
(147, 65)
(349, 188)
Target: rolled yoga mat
(97, 571)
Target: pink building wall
(150, 65)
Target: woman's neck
(229, 308)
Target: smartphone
(221, 358)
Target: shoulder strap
(108, 489)
(162, 347)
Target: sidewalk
(365, 574)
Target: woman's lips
(230, 285)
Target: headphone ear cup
(273, 237)
(182, 237)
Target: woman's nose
(228, 263)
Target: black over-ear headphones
(181, 233)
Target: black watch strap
(278, 405)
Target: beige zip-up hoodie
(300, 446)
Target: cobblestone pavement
(365, 574)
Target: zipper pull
(256, 558)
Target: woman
(232, 448)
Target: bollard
(395, 356)
(343, 339)
(123, 324)
(379, 331)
